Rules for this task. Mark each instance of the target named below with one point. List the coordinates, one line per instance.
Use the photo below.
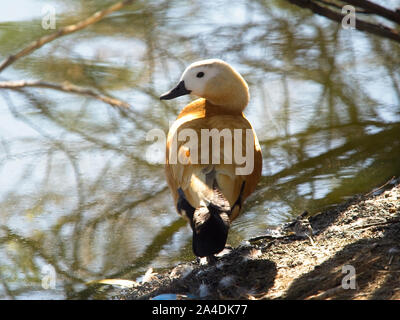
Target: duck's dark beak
(178, 91)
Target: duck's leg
(208, 260)
(211, 260)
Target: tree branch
(376, 9)
(376, 29)
(66, 87)
(62, 32)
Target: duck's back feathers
(196, 179)
(209, 185)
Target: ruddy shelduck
(209, 189)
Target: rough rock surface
(362, 235)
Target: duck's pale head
(214, 80)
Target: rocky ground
(313, 258)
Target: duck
(209, 188)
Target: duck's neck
(214, 109)
(233, 102)
(232, 93)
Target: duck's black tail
(210, 223)
(210, 226)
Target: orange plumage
(209, 193)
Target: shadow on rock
(237, 275)
(376, 262)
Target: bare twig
(376, 29)
(66, 87)
(325, 294)
(378, 224)
(376, 9)
(62, 32)
(381, 188)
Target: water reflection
(76, 190)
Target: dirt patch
(361, 235)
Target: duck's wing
(195, 183)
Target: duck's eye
(200, 74)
